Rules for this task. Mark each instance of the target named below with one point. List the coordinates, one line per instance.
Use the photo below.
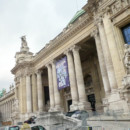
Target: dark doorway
(46, 94)
(91, 99)
(69, 103)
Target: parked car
(10, 128)
(80, 114)
(38, 127)
(69, 114)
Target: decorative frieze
(126, 79)
(118, 5)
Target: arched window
(88, 80)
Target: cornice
(21, 66)
(116, 7)
(7, 95)
(65, 36)
(97, 8)
(120, 12)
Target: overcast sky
(39, 20)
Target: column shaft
(79, 75)
(51, 88)
(16, 92)
(73, 84)
(83, 104)
(56, 91)
(107, 56)
(28, 97)
(20, 95)
(102, 63)
(34, 93)
(111, 39)
(40, 92)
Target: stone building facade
(97, 48)
(6, 107)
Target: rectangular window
(126, 33)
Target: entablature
(67, 35)
(7, 96)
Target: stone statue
(24, 42)
(126, 79)
(127, 58)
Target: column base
(117, 102)
(84, 105)
(58, 108)
(99, 107)
(40, 112)
(51, 110)
(74, 107)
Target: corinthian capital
(98, 21)
(67, 51)
(39, 71)
(94, 33)
(75, 48)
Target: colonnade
(78, 94)
(77, 86)
(6, 109)
(35, 100)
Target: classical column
(72, 78)
(111, 39)
(40, 91)
(6, 108)
(9, 109)
(34, 93)
(16, 92)
(28, 96)
(4, 111)
(57, 96)
(24, 94)
(107, 56)
(21, 95)
(101, 62)
(51, 88)
(83, 104)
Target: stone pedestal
(117, 102)
(57, 121)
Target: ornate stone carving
(98, 21)
(126, 79)
(15, 109)
(39, 72)
(125, 92)
(118, 5)
(94, 33)
(75, 48)
(24, 42)
(127, 58)
(105, 102)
